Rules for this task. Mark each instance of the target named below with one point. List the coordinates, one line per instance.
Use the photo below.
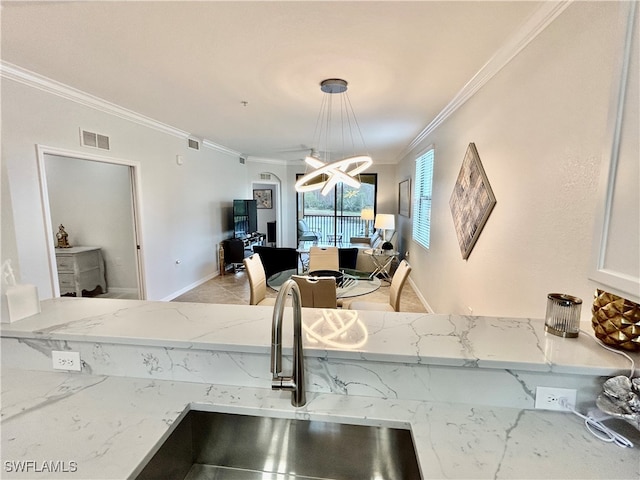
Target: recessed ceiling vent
(193, 143)
(265, 176)
(94, 140)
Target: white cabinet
(80, 271)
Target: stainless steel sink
(228, 446)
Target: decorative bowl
(616, 321)
(621, 399)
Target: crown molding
(21, 75)
(529, 30)
(272, 161)
(40, 82)
(533, 26)
(220, 148)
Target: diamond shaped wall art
(471, 202)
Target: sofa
(365, 262)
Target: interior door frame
(274, 180)
(134, 175)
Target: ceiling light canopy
(329, 170)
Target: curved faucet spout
(295, 382)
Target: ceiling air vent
(94, 140)
(242, 160)
(193, 143)
(265, 176)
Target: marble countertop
(410, 338)
(98, 427)
(104, 426)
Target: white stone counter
(98, 427)
(453, 380)
(408, 338)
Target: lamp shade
(366, 214)
(385, 221)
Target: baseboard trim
(123, 290)
(418, 293)
(195, 284)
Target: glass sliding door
(336, 216)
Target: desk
(234, 250)
(355, 283)
(382, 259)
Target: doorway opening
(269, 212)
(95, 199)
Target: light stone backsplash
(464, 384)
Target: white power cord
(628, 357)
(597, 428)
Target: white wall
(93, 201)
(183, 207)
(539, 126)
(387, 198)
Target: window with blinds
(422, 198)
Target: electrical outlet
(66, 360)
(548, 398)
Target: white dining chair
(395, 290)
(257, 281)
(317, 292)
(323, 258)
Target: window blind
(422, 198)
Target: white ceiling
(192, 64)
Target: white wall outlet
(548, 398)
(66, 360)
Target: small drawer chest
(80, 271)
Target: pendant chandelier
(329, 170)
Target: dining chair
(317, 292)
(397, 283)
(277, 259)
(257, 281)
(348, 257)
(323, 258)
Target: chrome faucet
(295, 382)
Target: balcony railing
(338, 229)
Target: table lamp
(367, 215)
(386, 222)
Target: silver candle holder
(563, 315)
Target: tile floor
(233, 288)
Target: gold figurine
(62, 236)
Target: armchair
(305, 234)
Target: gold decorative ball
(616, 321)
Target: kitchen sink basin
(215, 445)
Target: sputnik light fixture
(328, 172)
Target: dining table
(354, 283)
